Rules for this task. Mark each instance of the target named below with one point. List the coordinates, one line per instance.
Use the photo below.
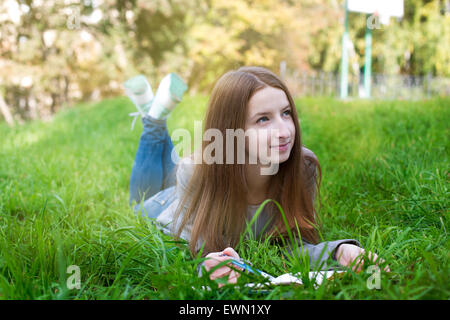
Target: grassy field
(64, 201)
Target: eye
(257, 121)
(288, 112)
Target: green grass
(64, 201)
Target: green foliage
(64, 201)
(417, 44)
(54, 53)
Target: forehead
(267, 99)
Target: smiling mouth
(281, 145)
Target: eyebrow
(265, 113)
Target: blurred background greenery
(64, 184)
(55, 53)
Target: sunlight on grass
(64, 201)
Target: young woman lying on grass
(210, 204)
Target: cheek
(292, 129)
(264, 138)
(257, 140)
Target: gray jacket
(163, 205)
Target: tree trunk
(4, 110)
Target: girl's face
(269, 116)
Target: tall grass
(64, 201)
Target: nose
(281, 132)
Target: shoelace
(136, 116)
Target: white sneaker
(168, 95)
(140, 93)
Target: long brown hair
(217, 193)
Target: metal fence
(383, 86)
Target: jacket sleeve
(321, 256)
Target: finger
(219, 273)
(226, 258)
(379, 261)
(373, 257)
(211, 260)
(359, 262)
(214, 260)
(222, 271)
(213, 277)
(233, 277)
(213, 254)
(211, 263)
(231, 252)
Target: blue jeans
(153, 176)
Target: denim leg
(147, 175)
(169, 166)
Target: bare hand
(215, 258)
(347, 253)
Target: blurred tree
(417, 44)
(56, 52)
(226, 34)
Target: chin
(282, 157)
